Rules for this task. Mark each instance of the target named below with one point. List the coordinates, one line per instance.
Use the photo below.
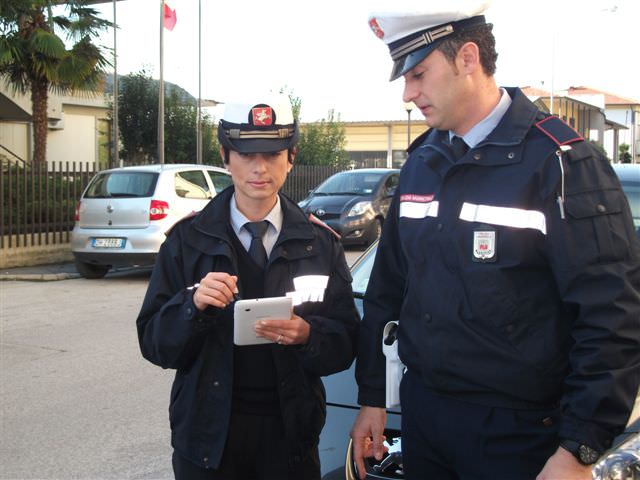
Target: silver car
(124, 213)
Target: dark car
(622, 461)
(354, 203)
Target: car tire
(376, 231)
(90, 271)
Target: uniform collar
(274, 217)
(510, 132)
(484, 127)
(515, 123)
(215, 221)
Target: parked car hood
(334, 203)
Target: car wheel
(90, 271)
(376, 231)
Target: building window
(374, 159)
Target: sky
(325, 54)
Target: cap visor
(406, 63)
(260, 145)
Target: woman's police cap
(263, 126)
(411, 35)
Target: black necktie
(256, 248)
(458, 147)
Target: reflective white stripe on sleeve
(505, 216)
(418, 209)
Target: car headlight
(303, 203)
(623, 463)
(359, 208)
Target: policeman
(249, 412)
(510, 261)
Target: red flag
(170, 17)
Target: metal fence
(304, 178)
(38, 201)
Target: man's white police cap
(413, 31)
(262, 125)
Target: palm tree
(34, 58)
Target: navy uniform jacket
(500, 301)
(173, 333)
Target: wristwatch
(583, 453)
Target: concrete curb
(38, 277)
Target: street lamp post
(408, 107)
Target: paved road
(77, 400)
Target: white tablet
(247, 312)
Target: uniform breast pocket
(489, 296)
(598, 226)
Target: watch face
(588, 455)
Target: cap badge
(373, 23)
(262, 116)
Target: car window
(122, 185)
(362, 271)
(220, 180)
(191, 184)
(353, 183)
(391, 184)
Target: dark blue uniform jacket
(199, 346)
(500, 300)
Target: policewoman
(251, 411)
(510, 261)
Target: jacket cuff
(371, 397)
(201, 320)
(586, 433)
(312, 348)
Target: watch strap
(583, 453)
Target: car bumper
(352, 230)
(140, 246)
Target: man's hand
(216, 289)
(562, 465)
(294, 331)
(367, 434)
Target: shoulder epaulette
(317, 221)
(418, 141)
(186, 217)
(558, 131)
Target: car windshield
(350, 183)
(362, 271)
(122, 185)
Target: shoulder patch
(186, 217)
(558, 131)
(317, 221)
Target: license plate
(108, 242)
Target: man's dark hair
(482, 37)
(291, 152)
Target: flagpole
(116, 135)
(161, 90)
(199, 123)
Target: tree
(623, 153)
(322, 143)
(138, 120)
(138, 117)
(33, 58)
